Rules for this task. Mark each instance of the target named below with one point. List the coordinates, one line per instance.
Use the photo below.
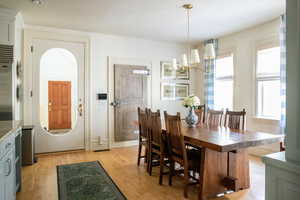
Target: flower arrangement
(191, 102)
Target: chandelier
(191, 58)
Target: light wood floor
(39, 180)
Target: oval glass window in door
(58, 91)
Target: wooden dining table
(224, 158)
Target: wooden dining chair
(189, 159)
(143, 135)
(157, 147)
(201, 112)
(235, 119)
(214, 117)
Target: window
(268, 83)
(223, 94)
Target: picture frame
(174, 91)
(169, 73)
(183, 74)
(182, 91)
(168, 91)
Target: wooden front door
(59, 107)
(130, 93)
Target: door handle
(115, 103)
(8, 161)
(80, 109)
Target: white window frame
(222, 54)
(267, 77)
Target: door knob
(80, 109)
(115, 103)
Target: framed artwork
(167, 71)
(168, 91)
(183, 74)
(181, 91)
(174, 91)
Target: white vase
(191, 118)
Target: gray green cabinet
(10, 169)
(9, 176)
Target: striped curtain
(210, 76)
(283, 73)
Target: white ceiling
(151, 19)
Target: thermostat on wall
(102, 96)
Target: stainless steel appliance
(6, 82)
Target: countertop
(8, 127)
(279, 160)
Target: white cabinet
(7, 26)
(9, 176)
(2, 180)
(6, 32)
(282, 178)
(7, 168)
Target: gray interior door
(130, 93)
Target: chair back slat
(142, 121)
(200, 112)
(174, 135)
(214, 117)
(235, 119)
(155, 127)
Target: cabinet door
(9, 179)
(6, 33)
(2, 167)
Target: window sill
(263, 118)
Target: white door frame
(39, 33)
(111, 118)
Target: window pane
(268, 61)
(223, 94)
(269, 99)
(224, 66)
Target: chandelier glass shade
(191, 58)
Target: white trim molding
(35, 33)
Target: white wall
(18, 49)
(58, 65)
(122, 47)
(243, 44)
(103, 46)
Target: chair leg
(161, 163)
(172, 166)
(186, 179)
(146, 153)
(139, 154)
(150, 162)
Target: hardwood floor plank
(40, 180)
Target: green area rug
(86, 181)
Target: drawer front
(7, 144)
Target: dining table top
(223, 139)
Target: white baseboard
(125, 144)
